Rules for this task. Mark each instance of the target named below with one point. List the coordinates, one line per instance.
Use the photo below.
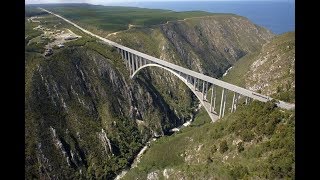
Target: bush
(223, 146)
(240, 147)
(239, 171)
(214, 149)
(247, 135)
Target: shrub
(213, 149)
(247, 135)
(238, 171)
(240, 147)
(223, 146)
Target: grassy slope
(266, 132)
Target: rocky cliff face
(81, 113)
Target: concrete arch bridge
(198, 83)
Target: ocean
(279, 17)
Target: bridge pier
(198, 84)
(121, 52)
(236, 101)
(202, 90)
(141, 62)
(136, 62)
(194, 83)
(223, 103)
(126, 55)
(233, 101)
(133, 63)
(206, 92)
(130, 63)
(213, 96)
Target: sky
(97, 2)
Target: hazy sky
(119, 1)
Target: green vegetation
(267, 150)
(223, 147)
(112, 19)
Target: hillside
(255, 142)
(270, 71)
(84, 117)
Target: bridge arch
(213, 115)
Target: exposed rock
(105, 142)
(153, 175)
(167, 172)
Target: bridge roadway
(136, 61)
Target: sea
(277, 16)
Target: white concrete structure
(136, 61)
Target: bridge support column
(236, 101)
(212, 97)
(136, 62)
(206, 91)
(136, 59)
(202, 90)
(132, 63)
(233, 102)
(194, 83)
(129, 61)
(121, 52)
(140, 61)
(223, 103)
(247, 100)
